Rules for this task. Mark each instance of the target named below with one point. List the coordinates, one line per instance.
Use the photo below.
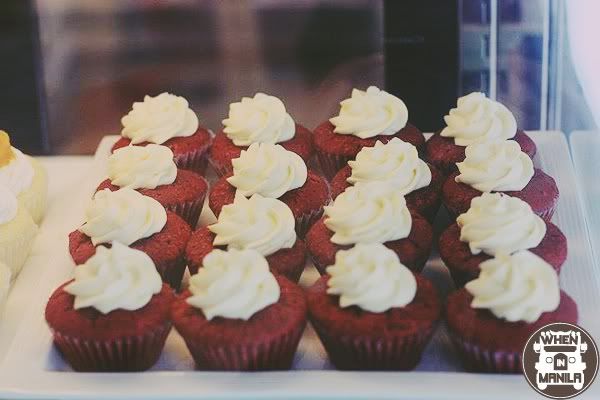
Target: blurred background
(72, 68)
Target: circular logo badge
(560, 360)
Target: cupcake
(499, 167)
(167, 119)
(114, 316)
(274, 172)
(370, 213)
(365, 118)
(497, 223)
(258, 119)
(258, 223)
(238, 316)
(130, 218)
(371, 312)
(397, 164)
(476, 119)
(25, 177)
(5, 279)
(151, 171)
(17, 231)
(492, 317)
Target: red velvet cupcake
(128, 217)
(370, 213)
(365, 118)
(167, 119)
(499, 167)
(274, 172)
(476, 119)
(497, 223)
(151, 171)
(260, 223)
(104, 320)
(258, 119)
(371, 312)
(255, 326)
(396, 163)
(491, 318)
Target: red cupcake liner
(171, 271)
(331, 163)
(195, 161)
(478, 359)
(305, 221)
(190, 210)
(278, 354)
(221, 169)
(397, 353)
(135, 353)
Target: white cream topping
(115, 278)
(260, 223)
(267, 169)
(371, 277)
(158, 119)
(370, 113)
(142, 167)
(368, 213)
(477, 119)
(9, 205)
(259, 119)
(519, 287)
(500, 166)
(396, 163)
(233, 284)
(17, 176)
(124, 216)
(498, 223)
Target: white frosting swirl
(396, 163)
(260, 223)
(18, 174)
(497, 223)
(371, 277)
(519, 287)
(368, 213)
(233, 284)
(370, 113)
(477, 119)
(267, 169)
(124, 216)
(9, 205)
(115, 278)
(142, 167)
(500, 166)
(259, 119)
(158, 119)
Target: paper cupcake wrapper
(195, 161)
(400, 353)
(331, 164)
(16, 249)
(478, 359)
(171, 271)
(278, 354)
(136, 353)
(190, 211)
(34, 198)
(305, 221)
(220, 169)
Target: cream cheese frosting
(498, 223)
(371, 277)
(259, 119)
(396, 163)
(267, 169)
(477, 119)
(500, 166)
(519, 287)
(260, 223)
(233, 284)
(368, 213)
(124, 216)
(17, 175)
(9, 205)
(370, 113)
(115, 278)
(158, 119)
(142, 167)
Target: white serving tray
(31, 368)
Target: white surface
(33, 369)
